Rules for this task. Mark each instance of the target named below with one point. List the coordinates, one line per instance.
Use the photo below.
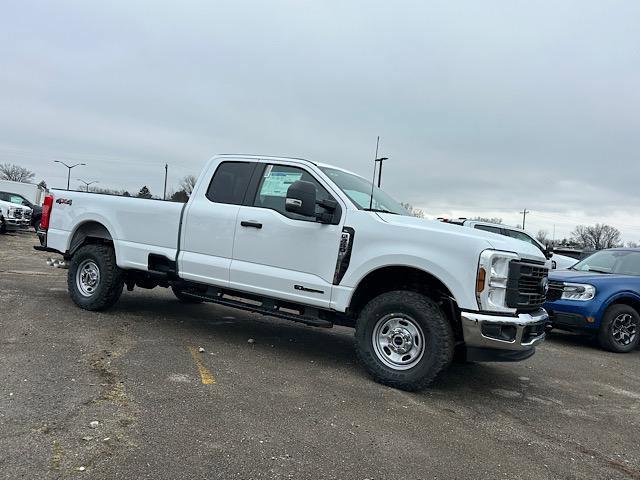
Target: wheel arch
(623, 298)
(402, 277)
(90, 231)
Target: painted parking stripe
(205, 375)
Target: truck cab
(317, 244)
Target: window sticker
(277, 183)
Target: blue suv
(599, 295)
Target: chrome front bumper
(12, 224)
(518, 334)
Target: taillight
(46, 212)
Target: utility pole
(381, 159)
(524, 216)
(166, 171)
(69, 172)
(87, 183)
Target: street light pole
(69, 172)
(87, 183)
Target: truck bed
(137, 226)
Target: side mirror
(549, 251)
(301, 199)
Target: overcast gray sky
(484, 107)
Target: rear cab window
(488, 228)
(230, 182)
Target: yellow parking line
(205, 375)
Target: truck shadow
(331, 348)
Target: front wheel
(620, 329)
(94, 280)
(404, 340)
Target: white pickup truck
(307, 242)
(14, 217)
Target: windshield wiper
(379, 210)
(598, 271)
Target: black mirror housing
(301, 198)
(549, 251)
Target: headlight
(491, 281)
(578, 291)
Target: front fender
(613, 299)
(354, 277)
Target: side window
(229, 183)
(274, 184)
(522, 236)
(488, 228)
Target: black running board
(265, 306)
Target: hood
(6, 205)
(495, 241)
(593, 278)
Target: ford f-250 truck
(308, 242)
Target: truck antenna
(373, 181)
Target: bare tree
(596, 236)
(15, 173)
(542, 236)
(487, 219)
(187, 184)
(414, 212)
(633, 244)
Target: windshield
(359, 191)
(611, 261)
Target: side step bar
(265, 306)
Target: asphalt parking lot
(272, 399)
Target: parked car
(21, 200)
(600, 295)
(14, 217)
(559, 262)
(314, 244)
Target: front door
(281, 254)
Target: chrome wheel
(87, 277)
(398, 341)
(624, 329)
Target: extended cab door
(209, 224)
(281, 254)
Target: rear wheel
(404, 340)
(620, 329)
(94, 280)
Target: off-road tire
(178, 292)
(605, 334)
(438, 339)
(109, 288)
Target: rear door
(281, 254)
(209, 224)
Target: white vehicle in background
(14, 217)
(315, 244)
(559, 262)
(33, 193)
